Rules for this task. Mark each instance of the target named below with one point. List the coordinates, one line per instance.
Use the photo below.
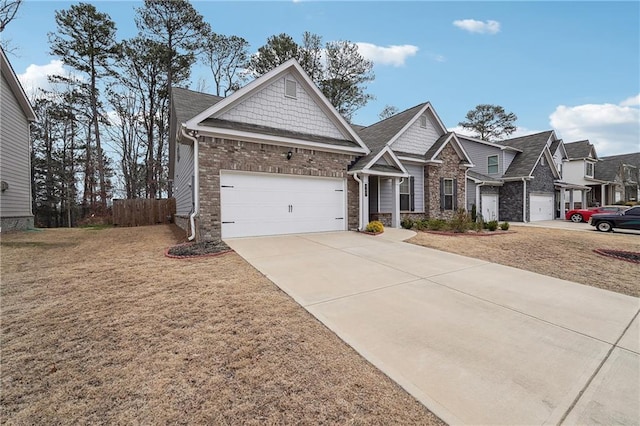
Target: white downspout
(196, 184)
(524, 200)
(360, 197)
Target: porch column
(562, 210)
(364, 204)
(395, 196)
(478, 206)
(571, 199)
(603, 194)
(584, 198)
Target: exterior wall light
(289, 155)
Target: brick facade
(222, 154)
(449, 169)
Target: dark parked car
(628, 219)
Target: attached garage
(541, 207)
(255, 204)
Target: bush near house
(492, 225)
(407, 223)
(375, 227)
(504, 226)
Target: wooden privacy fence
(143, 211)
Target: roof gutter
(196, 182)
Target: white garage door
(541, 207)
(254, 204)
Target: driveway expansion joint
(597, 370)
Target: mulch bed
(202, 249)
(470, 233)
(629, 256)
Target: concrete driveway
(476, 342)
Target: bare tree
(8, 10)
(227, 57)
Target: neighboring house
(275, 157)
(15, 151)
(620, 177)
(516, 179)
(580, 168)
(413, 145)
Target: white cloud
(632, 101)
(612, 129)
(35, 77)
(473, 26)
(391, 55)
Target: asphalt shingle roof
(531, 147)
(579, 149)
(377, 135)
(436, 146)
(188, 103)
(607, 168)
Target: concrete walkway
(476, 342)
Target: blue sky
(569, 66)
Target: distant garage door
(254, 204)
(541, 207)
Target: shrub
(504, 226)
(474, 213)
(407, 223)
(375, 227)
(461, 221)
(492, 225)
(437, 224)
(420, 225)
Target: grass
(559, 253)
(105, 329)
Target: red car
(583, 215)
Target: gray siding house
(15, 151)
(514, 180)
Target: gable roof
(532, 147)
(608, 167)
(206, 120)
(438, 146)
(387, 131)
(558, 143)
(15, 86)
(368, 164)
(580, 150)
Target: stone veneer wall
(8, 224)
(449, 169)
(510, 201)
(224, 154)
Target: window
(290, 88)
(492, 164)
(407, 193)
(447, 194)
(589, 169)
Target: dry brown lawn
(97, 326)
(558, 253)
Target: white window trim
(586, 169)
(444, 182)
(497, 164)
